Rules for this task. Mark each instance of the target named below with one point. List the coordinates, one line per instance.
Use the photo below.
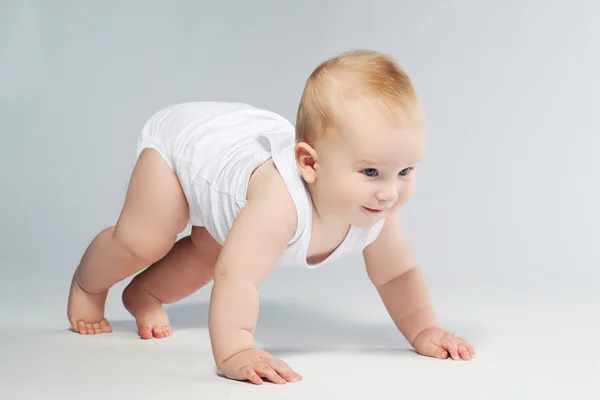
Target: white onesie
(213, 147)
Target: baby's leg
(155, 211)
(187, 267)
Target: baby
(259, 194)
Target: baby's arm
(392, 268)
(257, 239)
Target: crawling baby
(259, 194)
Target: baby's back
(213, 147)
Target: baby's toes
(90, 328)
(105, 326)
(146, 331)
(97, 328)
(167, 331)
(81, 328)
(158, 331)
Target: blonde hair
(346, 78)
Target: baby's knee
(144, 246)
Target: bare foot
(86, 311)
(150, 317)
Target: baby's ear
(306, 159)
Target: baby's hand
(255, 364)
(436, 342)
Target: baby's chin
(368, 221)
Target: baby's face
(367, 171)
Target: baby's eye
(370, 171)
(405, 171)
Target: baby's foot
(150, 317)
(86, 311)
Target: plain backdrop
(505, 217)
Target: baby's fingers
(451, 346)
(284, 370)
(269, 373)
(440, 353)
(468, 346)
(464, 353)
(248, 373)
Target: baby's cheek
(352, 193)
(345, 195)
(407, 192)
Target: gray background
(504, 221)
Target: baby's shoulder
(267, 190)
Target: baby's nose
(387, 196)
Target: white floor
(534, 343)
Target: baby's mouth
(372, 210)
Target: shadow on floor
(285, 328)
(291, 328)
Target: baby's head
(360, 133)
